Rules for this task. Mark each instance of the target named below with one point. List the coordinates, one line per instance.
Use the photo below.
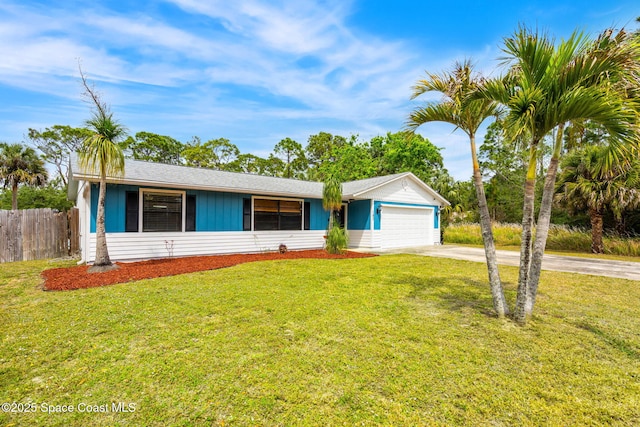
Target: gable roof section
(355, 189)
(150, 174)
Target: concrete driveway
(570, 264)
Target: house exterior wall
(115, 205)
(215, 211)
(218, 227)
(219, 222)
(135, 246)
(319, 219)
(361, 239)
(404, 192)
(359, 215)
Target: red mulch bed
(69, 278)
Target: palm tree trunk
(544, 219)
(597, 247)
(102, 253)
(14, 195)
(542, 233)
(527, 237)
(497, 292)
(621, 225)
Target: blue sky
(258, 71)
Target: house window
(274, 214)
(161, 211)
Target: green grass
(391, 340)
(566, 239)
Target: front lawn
(391, 340)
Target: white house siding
(360, 239)
(84, 208)
(401, 191)
(377, 239)
(132, 246)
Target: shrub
(337, 240)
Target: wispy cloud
(254, 71)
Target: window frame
(183, 208)
(286, 199)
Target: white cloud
(251, 71)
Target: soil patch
(69, 278)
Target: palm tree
(547, 87)
(100, 154)
(20, 165)
(467, 115)
(332, 202)
(584, 184)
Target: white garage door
(406, 226)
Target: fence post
(74, 231)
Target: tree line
(324, 155)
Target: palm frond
(100, 153)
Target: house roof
(143, 173)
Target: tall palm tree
(100, 154)
(584, 184)
(456, 108)
(547, 87)
(20, 165)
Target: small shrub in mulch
(69, 278)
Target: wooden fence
(38, 234)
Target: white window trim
(253, 198)
(183, 194)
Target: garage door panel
(404, 227)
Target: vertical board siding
(319, 218)
(218, 211)
(359, 217)
(115, 206)
(215, 211)
(38, 234)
